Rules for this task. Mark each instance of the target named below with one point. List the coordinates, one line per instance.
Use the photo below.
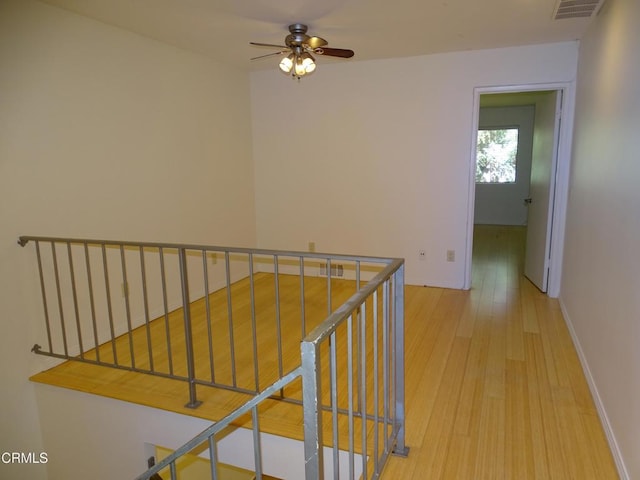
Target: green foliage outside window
(496, 156)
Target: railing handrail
(24, 239)
(217, 427)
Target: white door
(542, 188)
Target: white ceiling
(374, 29)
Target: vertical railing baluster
(92, 303)
(278, 324)
(376, 405)
(385, 362)
(74, 293)
(359, 347)
(232, 351)
(332, 403)
(188, 334)
(165, 304)
(392, 355)
(329, 305)
(213, 457)
(44, 297)
(363, 386)
(254, 334)
(207, 307)
(303, 320)
(109, 305)
(60, 307)
(398, 355)
(127, 306)
(257, 448)
(350, 395)
(333, 365)
(145, 301)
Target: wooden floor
(494, 388)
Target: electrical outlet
(312, 246)
(422, 255)
(451, 255)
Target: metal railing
(371, 326)
(139, 306)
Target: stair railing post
(188, 335)
(398, 357)
(312, 412)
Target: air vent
(336, 270)
(576, 8)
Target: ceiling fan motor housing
(298, 35)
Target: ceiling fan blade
(334, 52)
(315, 42)
(267, 45)
(270, 54)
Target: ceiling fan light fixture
(308, 62)
(300, 62)
(304, 64)
(286, 64)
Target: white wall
(503, 204)
(374, 157)
(104, 134)
(601, 279)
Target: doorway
(544, 214)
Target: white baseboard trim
(604, 419)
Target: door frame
(560, 198)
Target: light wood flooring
(494, 388)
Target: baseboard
(604, 419)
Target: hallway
(495, 389)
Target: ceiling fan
(299, 47)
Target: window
(496, 155)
